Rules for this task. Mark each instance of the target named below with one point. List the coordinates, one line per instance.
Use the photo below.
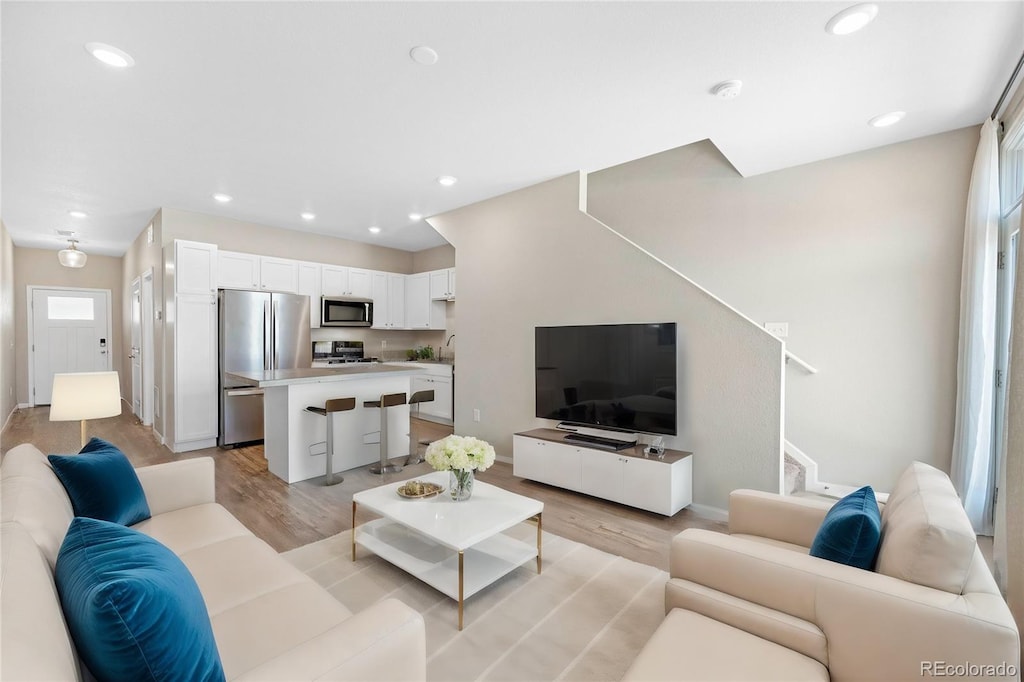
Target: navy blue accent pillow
(102, 483)
(134, 611)
(851, 531)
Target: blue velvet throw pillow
(102, 483)
(851, 531)
(133, 609)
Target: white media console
(662, 485)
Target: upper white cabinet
(279, 274)
(421, 311)
(442, 284)
(238, 270)
(360, 284)
(388, 294)
(309, 285)
(195, 267)
(339, 280)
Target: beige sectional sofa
(270, 621)
(931, 607)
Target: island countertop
(317, 375)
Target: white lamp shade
(85, 395)
(72, 258)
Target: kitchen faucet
(446, 344)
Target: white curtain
(973, 441)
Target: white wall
(860, 254)
(8, 327)
(40, 267)
(532, 258)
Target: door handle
(246, 391)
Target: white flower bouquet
(460, 453)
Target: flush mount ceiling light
(447, 180)
(415, 216)
(421, 54)
(852, 19)
(308, 216)
(885, 120)
(222, 198)
(77, 214)
(110, 55)
(71, 257)
(374, 229)
(727, 89)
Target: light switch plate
(779, 329)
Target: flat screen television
(611, 376)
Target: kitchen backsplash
(389, 345)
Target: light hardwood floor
(288, 516)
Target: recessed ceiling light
(884, 120)
(447, 180)
(77, 214)
(307, 215)
(415, 216)
(110, 55)
(222, 198)
(421, 54)
(374, 229)
(852, 19)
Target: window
(69, 308)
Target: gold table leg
(353, 530)
(461, 572)
(539, 561)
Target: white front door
(135, 352)
(70, 333)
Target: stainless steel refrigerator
(258, 331)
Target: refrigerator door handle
(273, 336)
(246, 391)
(267, 342)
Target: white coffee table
(455, 547)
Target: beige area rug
(585, 617)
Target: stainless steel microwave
(346, 312)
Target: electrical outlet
(779, 329)
(383, 344)
(476, 414)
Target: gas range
(339, 352)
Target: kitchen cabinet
(190, 345)
(663, 486)
(279, 274)
(442, 284)
(195, 371)
(238, 270)
(437, 378)
(195, 267)
(309, 285)
(339, 280)
(421, 311)
(388, 294)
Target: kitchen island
(294, 439)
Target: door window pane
(68, 308)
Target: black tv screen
(616, 376)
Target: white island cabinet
(294, 439)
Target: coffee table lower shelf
(437, 565)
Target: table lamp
(85, 395)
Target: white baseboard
(708, 512)
(9, 415)
(24, 406)
(503, 458)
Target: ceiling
(292, 107)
